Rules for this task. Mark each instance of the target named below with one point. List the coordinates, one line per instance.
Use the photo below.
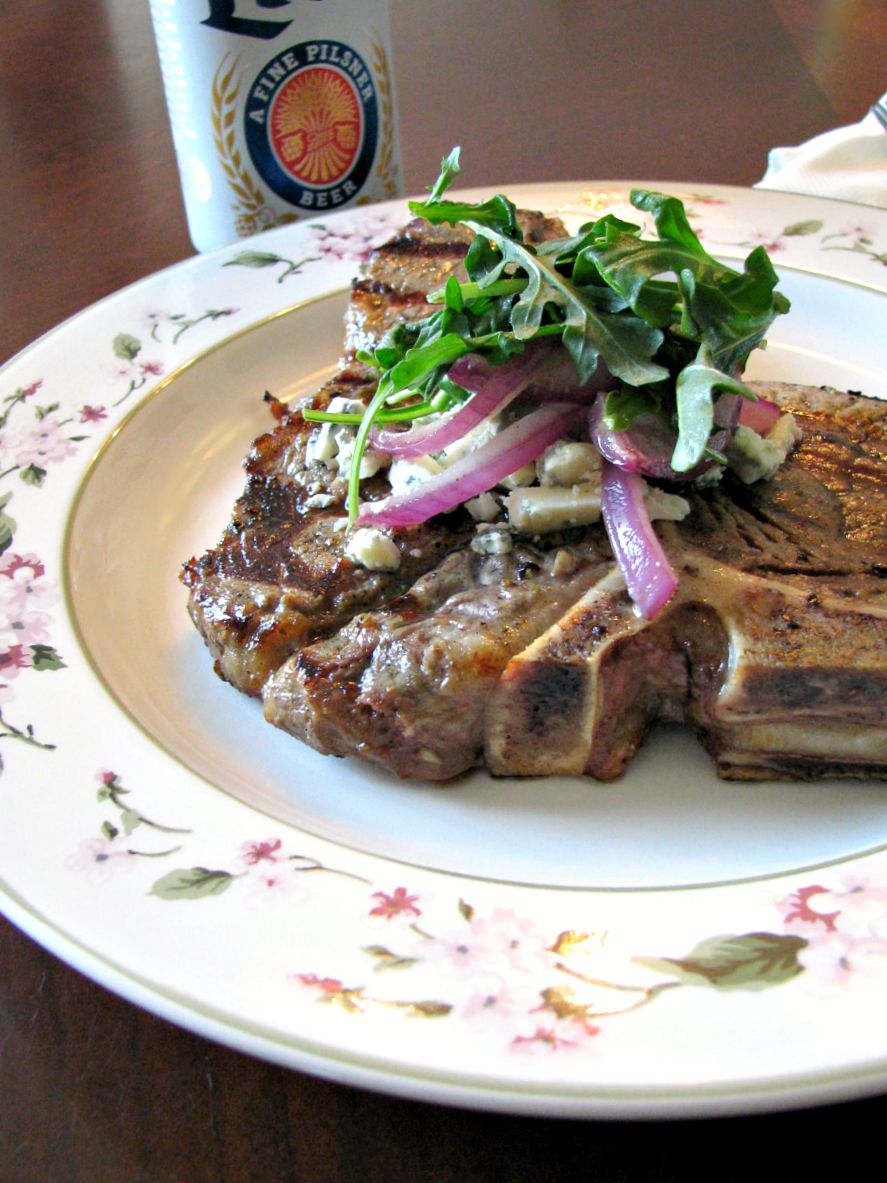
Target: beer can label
(278, 112)
(312, 124)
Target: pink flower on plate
(357, 242)
(555, 1035)
(14, 660)
(273, 880)
(138, 372)
(90, 414)
(805, 910)
(270, 875)
(831, 961)
(11, 564)
(490, 949)
(845, 927)
(315, 982)
(504, 1011)
(398, 903)
(25, 628)
(42, 443)
(24, 588)
(770, 243)
(253, 852)
(101, 858)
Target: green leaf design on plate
(129, 819)
(255, 259)
(799, 229)
(430, 1009)
(7, 524)
(192, 883)
(32, 475)
(126, 346)
(385, 959)
(44, 657)
(752, 961)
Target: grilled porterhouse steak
(774, 649)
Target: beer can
(280, 109)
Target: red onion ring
(760, 416)
(476, 472)
(648, 444)
(504, 384)
(649, 576)
(556, 381)
(471, 371)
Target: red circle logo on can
(315, 126)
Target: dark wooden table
(93, 1089)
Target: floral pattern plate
(669, 945)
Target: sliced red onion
(648, 444)
(649, 576)
(727, 409)
(556, 381)
(504, 384)
(760, 416)
(471, 371)
(476, 472)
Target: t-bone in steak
(534, 662)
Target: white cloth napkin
(849, 163)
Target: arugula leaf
(733, 316)
(694, 397)
(623, 406)
(416, 370)
(626, 345)
(629, 265)
(670, 218)
(449, 170)
(670, 323)
(498, 212)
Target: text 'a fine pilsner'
(280, 110)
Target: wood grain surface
(94, 1089)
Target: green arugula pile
(671, 324)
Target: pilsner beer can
(280, 109)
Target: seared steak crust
(406, 686)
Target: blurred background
(532, 89)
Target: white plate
(669, 944)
